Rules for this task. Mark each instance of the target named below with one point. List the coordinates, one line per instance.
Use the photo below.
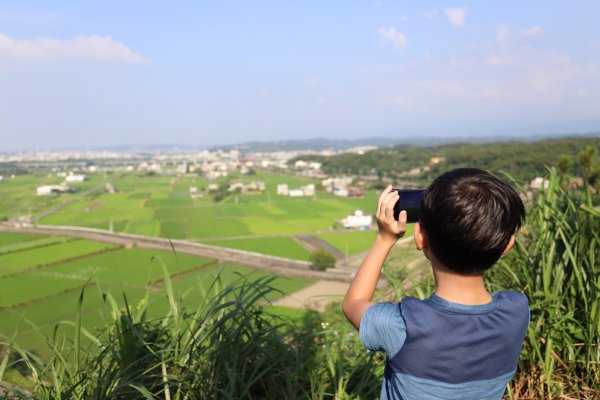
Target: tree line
(522, 160)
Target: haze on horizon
(79, 74)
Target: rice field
(41, 277)
(283, 246)
(162, 206)
(40, 284)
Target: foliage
(229, 347)
(322, 259)
(523, 160)
(556, 263)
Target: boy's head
(468, 217)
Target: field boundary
(63, 261)
(13, 307)
(35, 247)
(277, 265)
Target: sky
(82, 74)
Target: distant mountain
(149, 148)
(318, 144)
(307, 144)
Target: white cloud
(534, 31)
(502, 34)
(404, 18)
(311, 82)
(397, 38)
(456, 16)
(430, 14)
(96, 48)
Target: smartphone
(410, 200)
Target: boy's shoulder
(387, 326)
(508, 301)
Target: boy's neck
(461, 289)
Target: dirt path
(315, 297)
(319, 295)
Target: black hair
(468, 217)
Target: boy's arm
(361, 290)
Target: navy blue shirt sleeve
(382, 328)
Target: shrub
(555, 262)
(230, 347)
(322, 259)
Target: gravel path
(315, 297)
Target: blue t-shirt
(441, 350)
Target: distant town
(219, 167)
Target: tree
(322, 259)
(565, 164)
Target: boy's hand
(390, 229)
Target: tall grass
(556, 262)
(229, 347)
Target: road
(277, 265)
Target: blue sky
(89, 74)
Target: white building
(309, 190)
(296, 193)
(342, 192)
(283, 189)
(357, 221)
(236, 186)
(331, 184)
(49, 190)
(75, 178)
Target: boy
(462, 342)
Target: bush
(230, 347)
(555, 263)
(322, 259)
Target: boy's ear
(510, 244)
(419, 237)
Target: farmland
(162, 206)
(44, 289)
(41, 276)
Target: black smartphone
(410, 200)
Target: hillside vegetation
(522, 160)
(232, 346)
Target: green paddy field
(41, 279)
(162, 206)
